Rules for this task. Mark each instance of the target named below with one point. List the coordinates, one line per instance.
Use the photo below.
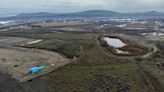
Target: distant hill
(40, 14)
(146, 14)
(90, 13)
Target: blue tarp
(36, 69)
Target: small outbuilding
(35, 69)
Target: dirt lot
(17, 60)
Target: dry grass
(57, 24)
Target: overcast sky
(62, 6)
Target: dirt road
(155, 49)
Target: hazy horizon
(11, 7)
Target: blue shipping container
(35, 69)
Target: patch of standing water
(33, 42)
(117, 43)
(36, 41)
(122, 52)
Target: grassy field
(55, 24)
(93, 70)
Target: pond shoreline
(131, 48)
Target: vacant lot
(17, 60)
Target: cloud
(117, 5)
(79, 5)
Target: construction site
(16, 60)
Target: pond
(117, 43)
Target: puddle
(121, 52)
(117, 43)
(120, 45)
(36, 41)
